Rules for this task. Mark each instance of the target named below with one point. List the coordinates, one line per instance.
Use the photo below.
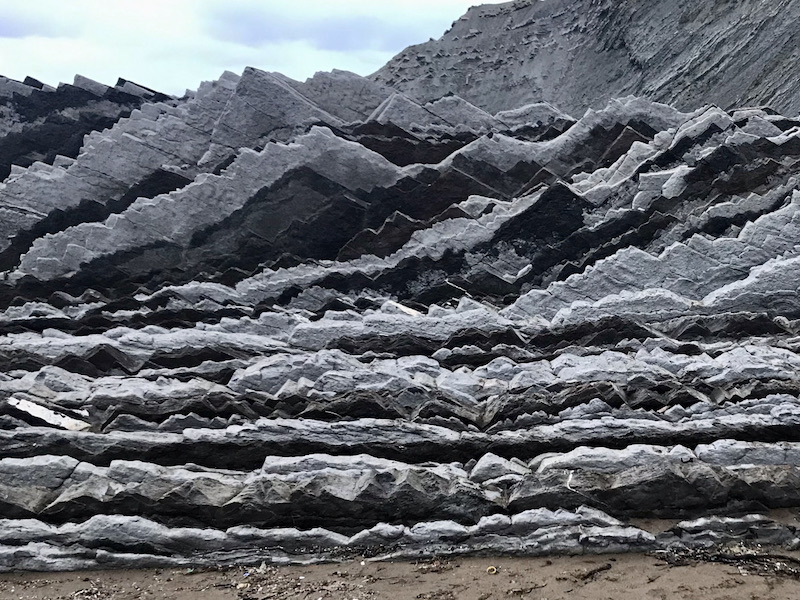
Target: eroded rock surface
(331, 317)
(578, 54)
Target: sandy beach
(608, 577)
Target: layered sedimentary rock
(580, 53)
(43, 124)
(300, 321)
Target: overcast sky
(172, 45)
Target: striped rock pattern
(288, 321)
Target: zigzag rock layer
(300, 321)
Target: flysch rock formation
(578, 54)
(299, 321)
(43, 124)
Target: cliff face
(327, 318)
(580, 53)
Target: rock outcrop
(332, 318)
(43, 124)
(578, 54)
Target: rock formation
(577, 54)
(289, 321)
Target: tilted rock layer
(275, 320)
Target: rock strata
(578, 54)
(334, 317)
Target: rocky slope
(580, 53)
(291, 321)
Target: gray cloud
(17, 26)
(258, 26)
(11, 27)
